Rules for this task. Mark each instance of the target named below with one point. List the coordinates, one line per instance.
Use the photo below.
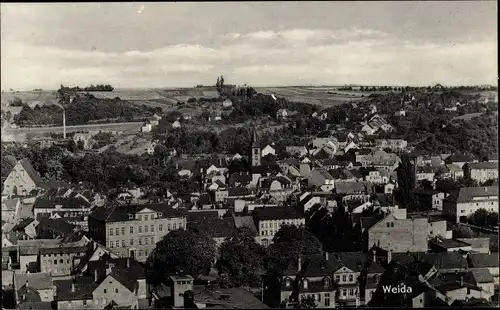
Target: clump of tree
(184, 251)
(92, 87)
(16, 102)
(241, 260)
(483, 218)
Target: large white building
(268, 221)
(481, 172)
(468, 200)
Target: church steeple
(255, 152)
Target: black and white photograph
(249, 155)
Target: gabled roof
(32, 173)
(482, 275)
(126, 275)
(215, 228)
(83, 288)
(276, 213)
(484, 260)
(483, 165)
(350, 188)
(446, 260)
(38, 281)
(467, 194)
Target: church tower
(255, 152)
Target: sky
(160, 45)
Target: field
(127, 127)
(324, 96)
(31, 97)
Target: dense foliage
(92, 87)
(180, 251)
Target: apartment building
(60, 261)
(467, 200)
(268, 221)
(481, 172)
(133, 230)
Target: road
(132, 126)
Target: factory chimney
(64, 123)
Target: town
(347, 206)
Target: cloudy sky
(136, 45)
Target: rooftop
(276, 213)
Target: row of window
(116, 231)
(390, 224)
(61, 254)
(147, 241)
(344, 278)
(61, 261)
(276, 225)
(351, 291)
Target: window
(140, 241)
(131, 229)
(146, 240)
(152, 228)
(351, 292)
(288, 282)
(256, 151)
(432, 232)
(305, 284)
(105, 291)
(131, 241)
(55, 261)
(175, 226)
(146, 217)
(327, 300)
(111, 231)
(388, 224)
(117, 230)
(337, 278)
(146, 228)
(140, 253)
(84, 302)
(61, 261)
(326, 282)
(344, 278)
(67, 261)
(123, 230)
(139, 217)
(152, 240)
(123, 243)
(351, 278)
(111, 244)
(140, 229)
(159, 214)
(116, 290)
(392, 224)
(117, 243)
(169, 227)
(344, 292)
(160, 227)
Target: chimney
(73, 287)
(299, 263)
(95, 275)
(64, 123)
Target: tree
(306, 303)
(479, 218)
(289, 242)
(241, 258)
(462, 231)
(217, 84)
(492, 219)
(406, 181)
(180, 251)
(221, 81)
(55, 170)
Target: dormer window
(326, 282)
(305, 284)
(130, 216)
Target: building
(399, 234)
(255, 152)
(22, 179)
(393, 144)
(133, 230)
(146, 127)
(65, 207)
(485, 261)
(61, 260)
(464, 202)
(39, 284)
(481, 172)
(10, 210)
(268, 221)
(429, 200)
(308, 276)
(321, 178)
(268, 150)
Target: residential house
(331, 142)
(61, 260)
(239, 179)
(133, 230)
(307, 200)
(297, 150)
(429, 199)
(22, 179)
(485, 260)
(478, 245)
(282, 114)
(268, 220)
(455, 172)
(11, 210)
(176, 124)
(460, 160)
(319, 177)
(481, 172)
(227, 103)
(308, 276)
(28, 284)
(66, 207)
(426, 173)
(146, 127)
(84, 140)
(352, 190)
(398, 235)
(369, 130)
(268, 150)
(278, 187)
(393, 144)
(467, 200)
(448, 245)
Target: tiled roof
(449, 243)
(116, 213)
(127, 275)
(39, 305)
(483, 165)
(38, 281)
(10, 204)
(482, 275)
(476, 242)
(467, 194)
(64, 249)
(276, 213)
(32, 173)
(484, 260)
(200, 216)
(65, 202)
(83, 288)
(215, 228)
(446, 260)
(23, 224)
(350, 188)
(459, 158)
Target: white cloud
(260, 58)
